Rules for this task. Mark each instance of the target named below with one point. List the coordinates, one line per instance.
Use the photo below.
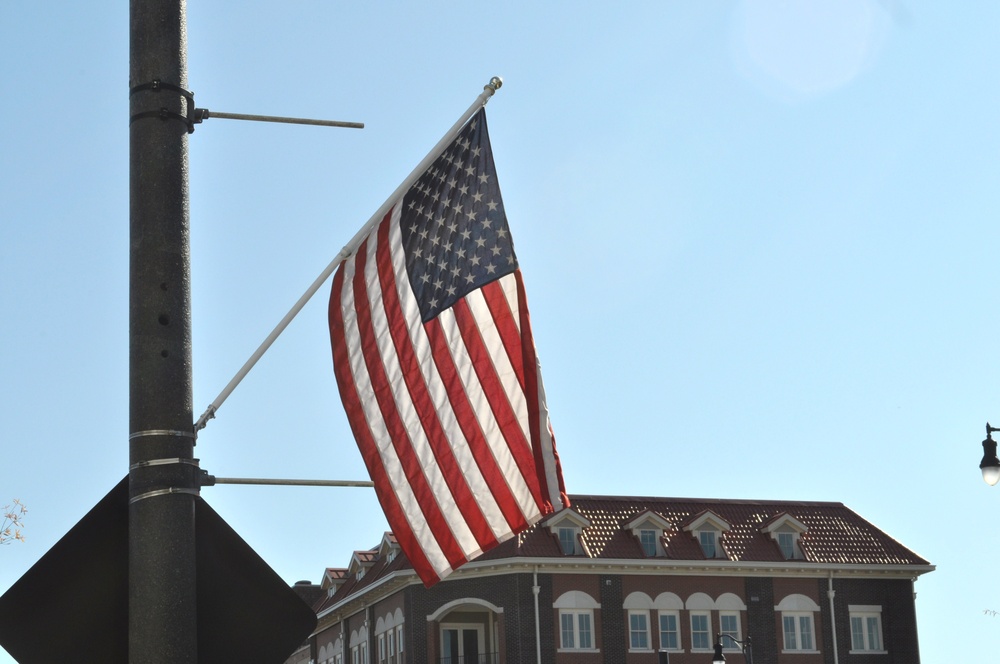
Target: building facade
(620, 580)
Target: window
(647, 539)
(399, 644)
(707, 539)
(798, 629)
(866, 629)
(707, 530)
(700, 637)
(797, 622)
(638, 630)
(461, 644)
(391, 646)
(567, 528)
(576, 629)
(786, 542)
(786, 531)
(729, 623)
(381, 649)
(648, 528)
(567, 540)
(669, 637)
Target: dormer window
(786, 531)
(786, 542)
(567, 527)
(361, 562)
(388, 547)
(707, 529)
(647, 540)
(333, 579)
(648, 528)
(567, 540)
(709, 543)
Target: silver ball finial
(495, 83)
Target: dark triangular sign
(72, 605)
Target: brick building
(615, 580)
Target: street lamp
(990, 465)
(719, 658)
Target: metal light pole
(162, 470)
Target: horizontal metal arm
(204, 114)
(209, 480)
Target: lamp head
(990, 465)
(719, 657)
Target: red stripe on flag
(394, 425)
(531, 376)
(469, 423)
(504, 414)
(369, 450)
(499, 307)
(422, 401)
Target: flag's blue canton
(453, 226)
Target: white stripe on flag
(492, 431)
(439, 394)
(380, 434)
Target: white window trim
(677, 623)
(708, 624)
(570, 519)
(710, 522)
(866, 611)
(650, 521)
(574, 534)
(716, 543)
(576, 630)
(728, 643)
(649, 639)
(798, 632)
(459, 627)
(655, 542)
(787, 524)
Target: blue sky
(759, 242)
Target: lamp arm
(744, 645)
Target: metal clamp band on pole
(165, 462)
(163, 492)
(488, 91)
(161, 432)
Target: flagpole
(488, 91)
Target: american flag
(436, 366)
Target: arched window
(797, 624)
(576, 621)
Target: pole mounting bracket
(156, 85)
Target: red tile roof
(835, 535)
